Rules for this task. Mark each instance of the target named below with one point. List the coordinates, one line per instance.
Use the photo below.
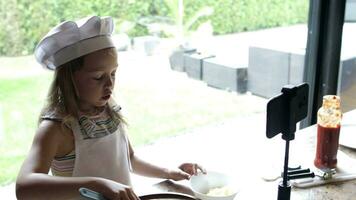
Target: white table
(243, 151)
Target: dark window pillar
(326, 20)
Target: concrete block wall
(176, 59)
(268, 71)
(225, 74)
(193, 64)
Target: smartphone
(285, 110)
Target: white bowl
(203, 183)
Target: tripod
(283, 112)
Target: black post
(322, 59)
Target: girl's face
(96, 79)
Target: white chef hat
(73, 39)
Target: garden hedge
(24, 22)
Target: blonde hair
(62, 98)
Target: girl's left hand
(186, 171)
(191, 168)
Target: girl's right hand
(117, 191)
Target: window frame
(322, 60)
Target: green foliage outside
(28, 21)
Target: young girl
(81, 136)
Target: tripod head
(287, 109)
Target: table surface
(249, 157)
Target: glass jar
(329, 119)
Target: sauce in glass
(327, 146)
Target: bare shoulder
(51, 140)
(50, 126)
(57, 135)
(49, 130)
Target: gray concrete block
(268, 71)
(176, 59)
(193, 64)
(225, 74)
(296, 68)
(350, 11)
(347, 84)
(145, 44)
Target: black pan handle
(167, 195)
(93, 195)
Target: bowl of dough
(213, 186)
